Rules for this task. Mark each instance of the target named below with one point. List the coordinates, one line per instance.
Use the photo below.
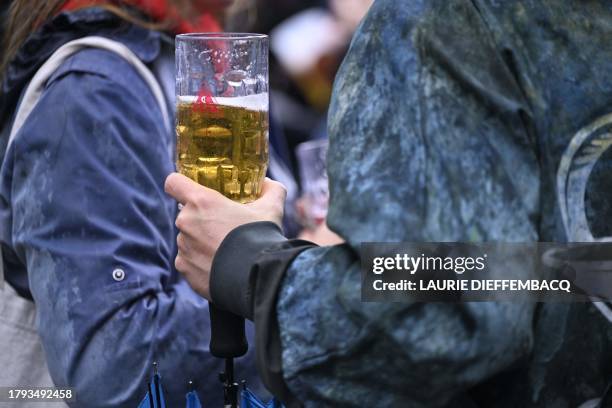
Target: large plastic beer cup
(222, 111)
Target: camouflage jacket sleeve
(450, 121)
(430, 140)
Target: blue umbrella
(250, 400)
(193, 401)
(155, 393)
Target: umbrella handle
(227, 341)
(227, 335)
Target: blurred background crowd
(308, 40)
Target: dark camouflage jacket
(482, 120)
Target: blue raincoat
(86, 229)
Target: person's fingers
(189, 263)
(182, 264)
(188, 222)
(195, 271)
(182, 243)
(182, 188)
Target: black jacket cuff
(231, 286)
(247, 273)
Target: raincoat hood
(68, 26)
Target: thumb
(273, 194)
(273, 190)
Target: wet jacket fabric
(450, 121)
(86, 229)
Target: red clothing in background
(158, 10)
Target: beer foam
(257, 102)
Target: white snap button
(118, 275)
